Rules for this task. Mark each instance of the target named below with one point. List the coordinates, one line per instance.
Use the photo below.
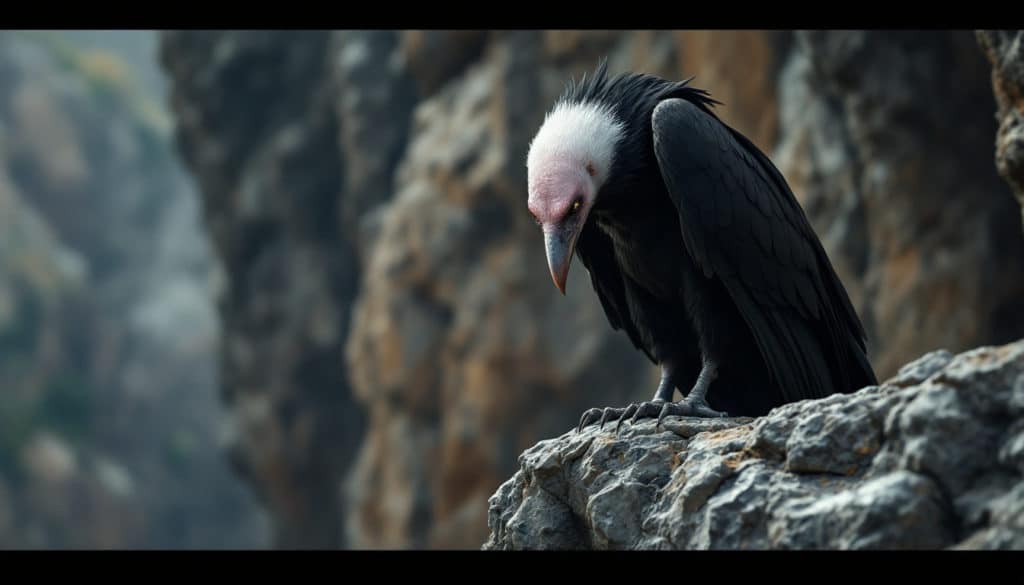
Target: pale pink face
(569, 160)
(560, 188)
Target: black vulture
(696, 247)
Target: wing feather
(742, 224)
(595, 250)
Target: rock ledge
(931, 458)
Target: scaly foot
(689, 407)
(599, 414)
(639, 411)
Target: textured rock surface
(1005, 51)
(270, 178)
(932, 458)
(109, 417)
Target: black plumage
(699, 251)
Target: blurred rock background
(109, 421)
(385, 339)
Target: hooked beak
(560, 243)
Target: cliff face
(929, 459)
(1005, 51)
(366, 191)
(886, 140)
(258, 125)
(109, 421)
(458, 349)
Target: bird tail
(861, 373)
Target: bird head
(569, 161)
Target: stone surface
(751, 99)
(923, 463)
(270, 178)
(1005, 51)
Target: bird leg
(663, 395)
(695, 403)
(637, 410)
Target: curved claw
(637, 411)
(664, 411)
(626, 414)
(587, 418)
(608, 414)
(647, 410)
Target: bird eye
(575, 206)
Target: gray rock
(921, 369)
(374, 107)
(270, 178)
(1005, 51)
(925, 465)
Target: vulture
(696, 248)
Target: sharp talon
(636, 416)
(661, 415)
(587, 418)
(626, 413)
(641, 410)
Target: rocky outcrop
(271, 177)
(110, 420)
(1005, 51)
(931, 458)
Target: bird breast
(641, 255)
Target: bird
(696, 247)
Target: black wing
(742, 224)
(596, 252)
